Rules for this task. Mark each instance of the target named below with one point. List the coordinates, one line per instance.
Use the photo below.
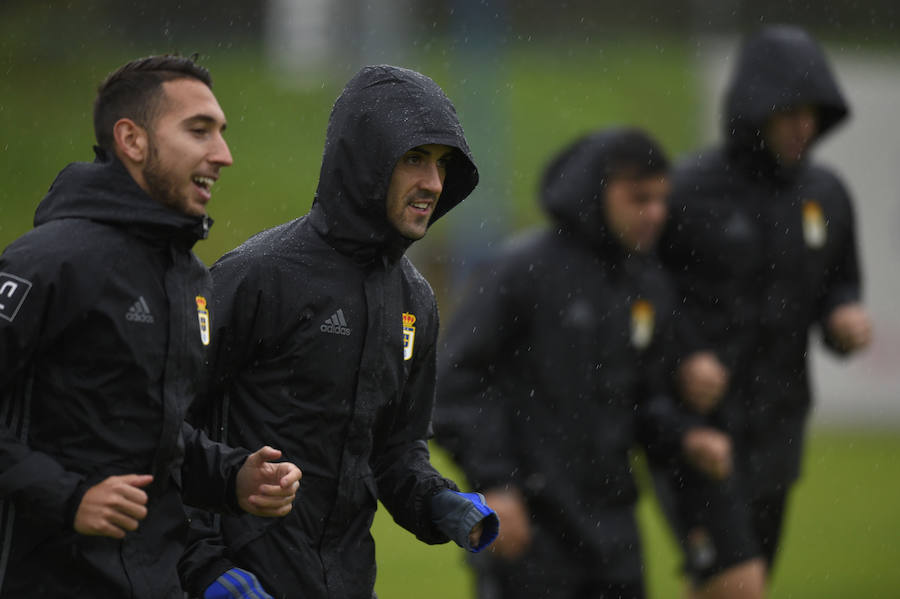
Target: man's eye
(413, 159)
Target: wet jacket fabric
(761, 253)
(554, 367)
(327, 351)
(100, 351)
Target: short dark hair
(633, 154)
(134, 90)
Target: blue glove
(491, 521)
(455, 514)
(236, 584)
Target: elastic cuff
(74, 503)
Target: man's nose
(806, 121)
(433, 180)
(221, 155)
(657, 212)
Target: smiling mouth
(204, 182)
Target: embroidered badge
(13, 291)
(700, 549)
(203, 316)
(814, 226)
(409, 335)
(641, 323)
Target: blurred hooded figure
(761, 244)
(557, 364)
(327, 339)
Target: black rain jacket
(761, 253)
(326, 349)
(100, 352)
(556, 364)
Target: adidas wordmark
(336, 325)
(140, 312)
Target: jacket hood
(779, 67)
(104, 191)
(573, 188)
(383, 112)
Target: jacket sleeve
(206, 556)
(234, 316)
(405, 478)
(472, 416)
(209, 472)
(39, 296)
(677, 256)
(662, 421)
(843, 282)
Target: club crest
(641, 323)
(203, 316)
(409, 335)
(815, 229)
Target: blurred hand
(515, 522)
(850, 327)
(702, 380)
(113, 507)
(267, 488)
(475, 534)
(709, 451)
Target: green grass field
(276, 128)
(843, 536)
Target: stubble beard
(160, 185)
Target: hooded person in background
(761, 244)
(557, 363)
(326, 342)
(103, 330)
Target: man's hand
(702, 380)
(850, 327)
(475, 534)
(266, 488)
(515, 528)
(709, 451)
(113, 507)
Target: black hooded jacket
(100, 350)
(761, 252)
(555, 366)
(327, 351)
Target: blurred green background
(550, 71)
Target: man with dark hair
(135, 91)
(104, 321)
(761, 244)
(556, 364)
(326, 341)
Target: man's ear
(131, 140)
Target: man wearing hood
(762, 247)
(103, 325)
(557, 363)
(327, 337)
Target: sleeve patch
(13, 291)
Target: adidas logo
(336, 324)
(140, 312)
